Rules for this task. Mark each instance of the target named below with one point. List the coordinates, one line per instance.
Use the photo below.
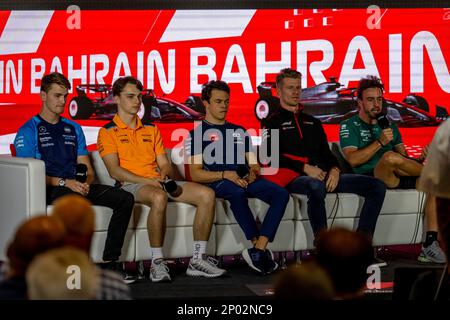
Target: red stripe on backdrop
(4, 15)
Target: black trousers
(120, 201)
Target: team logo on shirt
(67, 130)
(42, 129)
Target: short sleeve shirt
(223, 147)
(137, 149)
(355, 132)
(58, 145)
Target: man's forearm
(363, 155)
(204, 176)
(52, 181)
(166, 171)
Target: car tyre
(81, 108)
(264, 107)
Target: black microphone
(81, 173)
(242, 171)
(383, 121)
(171, 187)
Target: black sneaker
(118, 268)
(271, 265)
(256, 259)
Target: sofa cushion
(227, 217)
(403, 202)
(101, 173)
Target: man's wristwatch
(62, 182)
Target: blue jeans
(372, 189)
(275, 196)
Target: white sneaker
(159, 272)
(432, 254)
(204, 268)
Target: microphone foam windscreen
(81, 173)
(383, 121)
(242, 171)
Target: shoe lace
(213, 261)
(208, 264)
(160, 268)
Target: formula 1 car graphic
(331, 104)
(154, 108)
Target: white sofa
(22, 195)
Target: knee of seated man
(280, 193)
(378, 187)
(392, 158)
(206, 196)
(318, 187)
(158, 196)
(125, 198)
(238, 192)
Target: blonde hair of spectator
(62, 274)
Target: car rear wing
(104, 88)
(265, 89)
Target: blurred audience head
(345, 255)
(309, 281)
(34, 236)
(77, 215)
(64, 273)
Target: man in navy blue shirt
(221, 156)
(61, 144)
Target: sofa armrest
(22, 194)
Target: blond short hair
(53, 276)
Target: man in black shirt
(314, 171)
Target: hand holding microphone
(79, 184)
(242, 171)
(386, 135)
(81, 173)
(171, 187)
(238, 177)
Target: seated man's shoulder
(310, 118)
(350, 121)
(148, 123)
(31, 124)
(110, 125)
(274, 116)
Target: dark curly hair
(208, 87)
(369, 82)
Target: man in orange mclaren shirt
(134, 155)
